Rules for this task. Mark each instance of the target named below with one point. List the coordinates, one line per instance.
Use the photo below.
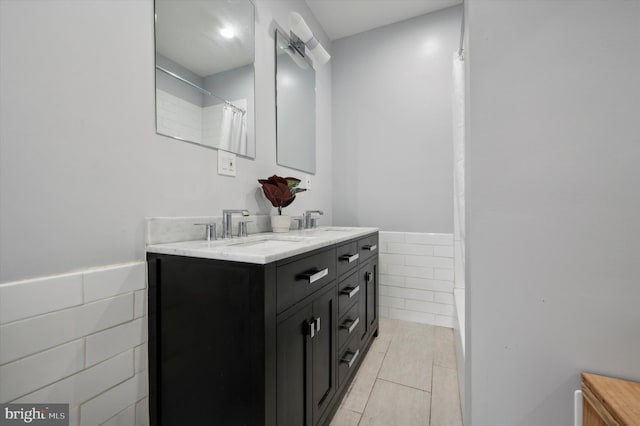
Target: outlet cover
(307, 182)
(226, 163)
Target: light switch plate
(226, 163)
(307, 182)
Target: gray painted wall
(393, 160)
(554, 205)
(176, 87)
(80, 163)
(230, 84)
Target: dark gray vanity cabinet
(306, 354)
(234, 343)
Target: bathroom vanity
(268, 329)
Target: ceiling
(342, 18)
(188, 32)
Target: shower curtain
(233, 132)
(458, 110)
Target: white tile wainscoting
(417, 277)
(78, 338)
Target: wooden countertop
(620, 397)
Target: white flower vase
(280, 223)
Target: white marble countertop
(265, 247)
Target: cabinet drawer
(348, 293)
(348, 359)
(347, 256)
(349, 325)
(302, 277)
(367, 247)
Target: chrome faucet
(310, 222)
(226, 221)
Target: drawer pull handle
(351, 324)
(317, 323)
(350, 257)
(315, 276)
(371, 247)
(351, 291)
(350, 360)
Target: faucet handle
(242, 228)
(210, 230)
(310, 222)
(226, 220)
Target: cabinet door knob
(317, 323)
(367, 276)
(312, 328)
(351, 291)
(316, 275)
(350, 257)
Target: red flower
(280, 191)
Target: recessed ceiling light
(227, 32)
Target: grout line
(120, 412)
(66, 308)
(406, 386)
(384, 356)
(393, 335)
(42, 314)
(431, 396)
(79, 372)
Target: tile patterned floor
(409, 377)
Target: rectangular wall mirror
(205, 74)
(295, 107)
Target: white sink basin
(266, 244)
(323, 231)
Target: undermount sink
(329, 229)
(267, 244)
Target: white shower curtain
(458, 111)
(233, 132)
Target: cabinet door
(362, 301)
(372, 296)
(325, 313)
(294, 359)
(369, 299)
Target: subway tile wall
(417, 277)
(81, 339)
(178, 117)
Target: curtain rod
(184, 80)
(206, 92)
